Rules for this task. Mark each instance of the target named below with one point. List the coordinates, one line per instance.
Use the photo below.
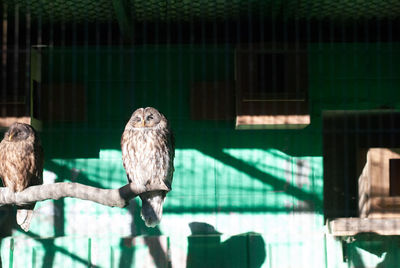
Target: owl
(21, 165)
(148, 151)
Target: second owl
(148, 152)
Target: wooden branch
(354, 226)
(108, 197)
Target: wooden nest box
(379, 183)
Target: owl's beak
(143, 123)
(10, 136)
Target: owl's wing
(37, 168)
(125, 144)
(171, 153)
(2, 163)
(172, 142)
(25, 213)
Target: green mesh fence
(161, 10)
(275, 107)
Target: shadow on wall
(150, 237)
(7, 221)
(206, 250)
(374, 250)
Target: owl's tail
(24, 217)
(152, 207)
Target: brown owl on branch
(148, 152)
(21, 165)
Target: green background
(240, 198)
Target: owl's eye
(137, 119)
(150, 117)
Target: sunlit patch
(103, 173)
(300, 177)
(110, 154)
(49, 176)
(245, 180)
(272, 162)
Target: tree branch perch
(109, 197)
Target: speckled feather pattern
(21, 166)
(148, 155)
(21, 163)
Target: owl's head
(18, 132)
(148, 117)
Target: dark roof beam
(125, 21)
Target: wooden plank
(272, 121)
(271, 82)
(374, 185)
(353, 226)
(5, 122)
(345, 133)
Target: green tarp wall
(240, 198)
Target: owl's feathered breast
(21, 164)
(147, 156)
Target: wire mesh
(285, 115)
